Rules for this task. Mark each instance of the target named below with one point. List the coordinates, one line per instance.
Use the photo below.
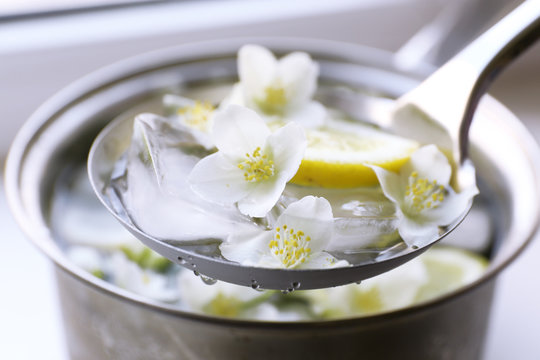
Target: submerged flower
(87, 258)
(130, 276)
(391, 290)
(220, 299)
(278, 89)
(423, 196)
(298, 240)
(235, 301)
(252, 165)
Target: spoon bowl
(202, 258)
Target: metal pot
(102, 321)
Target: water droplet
(181, 260)
(207, 280)
(295, 285)
(288, 291)
(196, 273)
(255, 285)
(358, 282)
(414, 247)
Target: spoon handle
(451, 94)
(492, 52)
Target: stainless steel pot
(105, 322)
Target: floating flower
(278, 89)
(298, 240)
(193, 115)
(423, 196)
(252, 165)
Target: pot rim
(132, 66)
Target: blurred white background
(41, 54)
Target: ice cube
(154, 188)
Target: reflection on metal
(454, 27)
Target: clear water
(154, 194)
(94, 240)
(149, 187)
(365, 223)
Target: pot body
(101, 326)
(104, 322)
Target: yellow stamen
(290, 246)
(197, 115)
(423, 194)
(257, 166)
(274, 100)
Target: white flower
(87, 258)
(394, 289)
(230, 300)
(221, 298)
(252, 165)
(128, 275)
(298, 240)
(423, 196)
(196, 116)
(278, 89)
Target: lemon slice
(449, 269)
(337, 155)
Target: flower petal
(298, 73)
(130, 276)
(323, 260)
(196, 294)
(177, 101)
(287, 146)
(217, 180)
(417, 233)
(391, 184)
(398, 287)
(312, 215)
(235, 97)
(262, 198)
(453, 206)
(430, 164)
(247, 247)
(256, 69)
(238, 130)
(311, 115)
